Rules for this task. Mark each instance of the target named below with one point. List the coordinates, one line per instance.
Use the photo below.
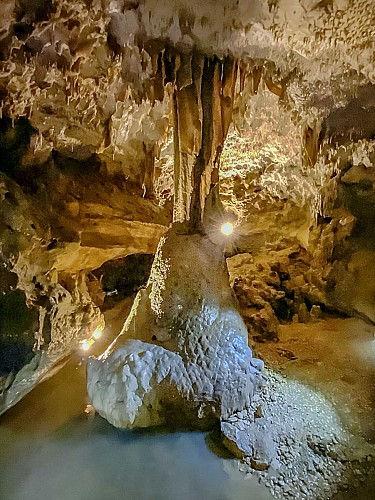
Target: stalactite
(158, 78)
(276, 88)
(311, 145)
(202, 94)
(148, 171)
(228, 86)
(187, 129)
(203, 105)
(256, 76)
(209, 89)
(242, 77)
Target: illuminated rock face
(183, 356)
(50, 241)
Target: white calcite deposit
(183, 356)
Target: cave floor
(335, 356)
(53, 447)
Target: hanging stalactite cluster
(203, 92)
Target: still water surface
(51, 450)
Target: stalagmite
(182, 357)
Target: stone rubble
(296, 444)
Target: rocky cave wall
(308, 231)
(86, 158)
(57, 226)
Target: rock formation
(48, 301)
(89, 94)
(200, 366)
(182, 358)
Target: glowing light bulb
(227, 228)
(86, 344)
(97, 334)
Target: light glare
(227, 228)
(86, 344)
(97, 334)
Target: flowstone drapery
(183, 356)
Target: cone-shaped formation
(183, 356)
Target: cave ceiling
(90, 75)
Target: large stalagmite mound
(183, 356)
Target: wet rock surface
(56, 226)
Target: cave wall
(351, 278)
(42, 318)
(306, 229)
(59, 221)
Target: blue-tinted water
(50, 450)
(91, 460)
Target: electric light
(97, 333)
(86, 344)
(227, 228)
